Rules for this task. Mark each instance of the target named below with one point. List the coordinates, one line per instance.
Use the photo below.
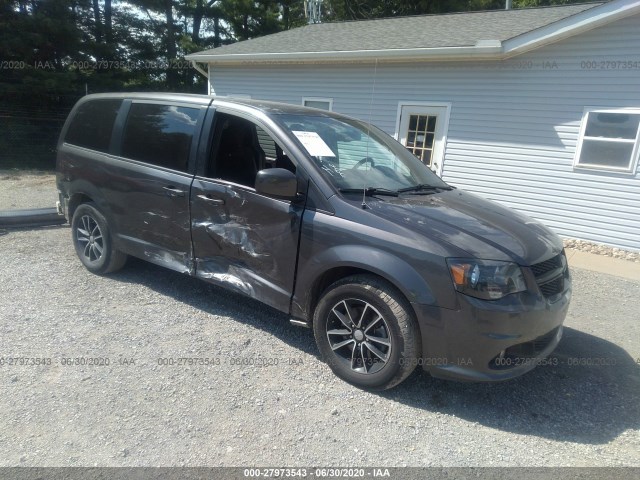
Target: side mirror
(277, 182)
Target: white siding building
(538, 109)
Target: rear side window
(160, 134)
(92, 125)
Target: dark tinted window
(92, 124)
(159, 134)
(238, 157)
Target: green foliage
(250, 19)
(365, 9)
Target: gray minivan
(320, 216)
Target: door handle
(173, 192)
(211, 200)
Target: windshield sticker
(314, 144)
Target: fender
(393, 269)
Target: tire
(362, 349)
(92, 240)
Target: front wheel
(92, 241)
(366, 332)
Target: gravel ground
(30, 189)
(135, 412)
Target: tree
(202, 11)
(292, 14)
(365, 9)
(250, 19)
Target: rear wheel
(92, 241)
(366, 332)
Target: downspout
(195, 65)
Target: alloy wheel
(359, 335)
(89, 238)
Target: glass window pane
(92, 124)
(413, 122)
(317, 104)
(612, 125)
(608, 154)
(422, 123)
(429, 140)
(239, 154)
(362, 154)
(426, 157)
(160, 134)
(431, 126)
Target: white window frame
(318, 99)
(606, 168)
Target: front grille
(549, 283)
(541, 268)
(553, 287)
(517, 355)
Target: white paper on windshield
(314, 144)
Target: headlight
(486, 279)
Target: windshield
(353, 155)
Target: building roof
(457, 35)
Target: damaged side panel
(178, 261)
(237, 278)
(245, 241)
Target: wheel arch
(342, 262)
(391, 350)
(82, 191)
(75, 200)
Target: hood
(467, 222)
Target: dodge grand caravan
(320, 216)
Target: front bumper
(491, 340)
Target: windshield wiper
(424, 187)
(370, 191)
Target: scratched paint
(229, 276)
